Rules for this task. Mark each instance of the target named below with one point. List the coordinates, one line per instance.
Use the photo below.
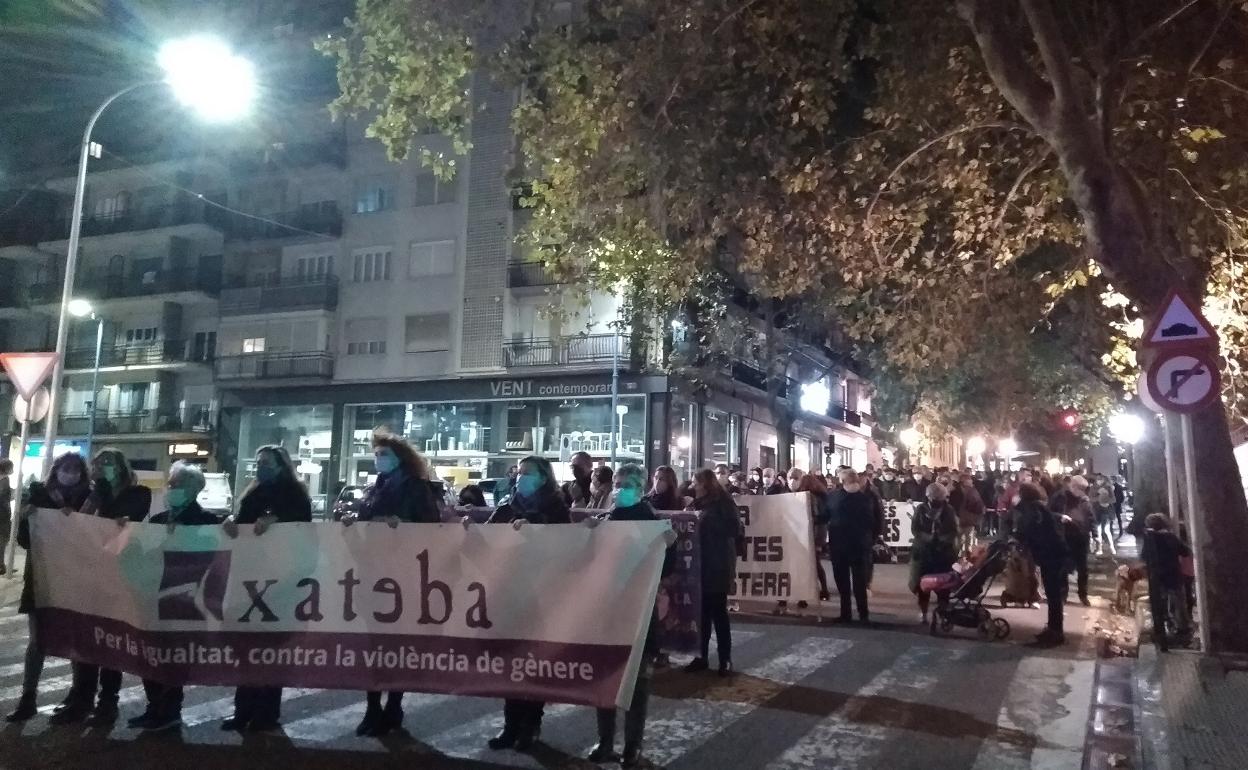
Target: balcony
(161, 353)
(757, 378)
(530, 275)
(270, 366)
(331, 150)
(323, 218)
(104, 285)
(197, 419)
(566, 351)
(188, 211)
(845, 415)
(284, 294)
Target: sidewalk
(1191, 711)
(11, 586)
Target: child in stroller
(960, 597)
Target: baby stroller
(960, 597)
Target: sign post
(26, 371)
(1183, 377)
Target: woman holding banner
(665, 490)
(401, 493)
(537, 500)
(66, 488)
(718, 527)
(275, 496)
(935, 547)
(818, 489)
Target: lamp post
(204, 75)
(80, 308)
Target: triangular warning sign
(1179, 323)
(27, 371)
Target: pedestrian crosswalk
(802, 697)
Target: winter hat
(1079, 482)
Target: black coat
(191, 516)
(576, 493)
(852, 520)
(718, 527)
(1040, 530)
(548, 508)
(914, 491)
(1161, 552)
(667, 501)
(133, 502)
(43, 496)
(398, 494)
(286, 499)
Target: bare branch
(1154, 28)
(1006, 62)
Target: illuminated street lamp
(1126, 427)
(910, 437)
(1007, 447)
(218, 85)
(976, 445)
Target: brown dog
(1129, 576)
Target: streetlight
(204, 74)
(1008, 447)
(1126, 427)
(620, 411)
(976, 445)
(80, 308)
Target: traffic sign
(33, 409)
(27, 371)
(1184, 381)
(1179, 323)
(1146, 398)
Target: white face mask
(918, 477)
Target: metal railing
(324, 218)
(261, 366)
(580, 349)
(845, 415)
(103, 284)
(530, 274)
(286, 293)
(196, 419)
(182, 212)
(159, 352)
(757, 378)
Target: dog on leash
(1129, 577)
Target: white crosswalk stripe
(337, 723)
(17, 669)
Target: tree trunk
(1148, 471)
(784, 440)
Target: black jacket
(133, 502)
(852, 520)
(398, 494)
(1040, 530)
(286, 499)
(892, 491)
(43, 496)
(576, 493)
(718, 528)
(914, 491)
(548, 508)
(191, 516)
(667, 501)
(1161, 552)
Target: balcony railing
(530, 275)
(757, 378)
(160, 352)
(196, 419)
(262, 366)
(322, 218)
(184, 212)
(104, 285)
(845, 415)
(582, 349)
(286, 293)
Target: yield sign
(1179, 323)
(27, 371)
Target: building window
(424, 333)
(432, 258)
(253, 345)
(313, 268)
(112, 206)
(205, 346)
(371, 266)
(141, 336)
(431, 191)
(371, 198)
(366, 336)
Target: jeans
(1053, 577)
(634, 717)
(715, 612)
(33, 664)
(162, 699)
(850, 569)
(258, 704)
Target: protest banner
(779, 559)
(555, 613)
(898, 517)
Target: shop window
(429, 332)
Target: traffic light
(1069, 419)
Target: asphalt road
(806, 695)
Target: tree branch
(1053, 50)
(1006, 63)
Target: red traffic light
(1070, 419)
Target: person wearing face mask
(718, 527)
(577, 492)
(852, 530)
(935, 547)
(186, 481)
(600, 489)
(914, 487)
(723, 474)
(66, 488)
(664, 492)
(757, 483)
(889, 486)
(630, 505)
(401, 494)
(795, 478)
(538, 500)
(776, 483)
(114, 495)
(274, 496)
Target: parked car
(348, 501)
(216, 497)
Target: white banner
(898, 518)
(554, 613)
(779, 559)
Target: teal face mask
(386, 462)
(177, 498)
(109, 472)
(627, 497)
(528, 485)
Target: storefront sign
(779, 559)
(898, 517)
(555, 613)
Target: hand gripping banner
(557, 613)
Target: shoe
(631, 756)
(69, 713)
(105, 714)
(391, 719)
(725, 668)
(1047, 638)
(526, 738)
(504, 740)
(368, 725)
(923, 618)
(603, 752)
(824, 596)
(263, 726)
(141, 721)
(25, 709)
(843, 620)
(163, 722)
(1085, 601)
(801, 605)
(696, 665)
(234, 724)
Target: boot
(70, 711)
(372, 719)
(527, 736)
(391, 717)
(25, 709)
(696, 665)
(605, 750)
(104, 714)
(504, 740)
